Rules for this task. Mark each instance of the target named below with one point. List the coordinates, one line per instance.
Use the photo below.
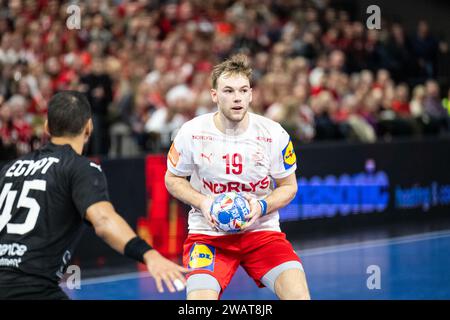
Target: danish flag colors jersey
(219, 163)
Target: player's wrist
(151, 255)
(205, 203)
(137, 248)
(263, 205)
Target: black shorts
(32, 292)
(20, 286)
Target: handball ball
(230, 210)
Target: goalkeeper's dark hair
(68, 113)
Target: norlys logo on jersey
(236, 186)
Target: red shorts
(257, 252)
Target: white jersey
(219, 163)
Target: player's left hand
(255, 211)
(205, 208)
(164, 270)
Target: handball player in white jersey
(235, 150)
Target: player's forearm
(116, 232)
(110, 226)
(280, 197)
(181, 189)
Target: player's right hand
(205, 208)
(255, 212)
(165, 270)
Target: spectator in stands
(446, 102)
(418, 100)
(360, 121)
(7, 133)
(323, 105)
(433, 106)
(425, 49)
(22, 131)
(204, 103)
(400, 103)
(398, 49)
(98, 87)
(165, 122)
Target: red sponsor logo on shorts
(218, 188)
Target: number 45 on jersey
(7, 198)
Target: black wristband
(136, 248)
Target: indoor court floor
(405, 267)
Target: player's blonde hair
(237, 64)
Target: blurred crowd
(145, 67)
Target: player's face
(232, 96)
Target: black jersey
(43, 200)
